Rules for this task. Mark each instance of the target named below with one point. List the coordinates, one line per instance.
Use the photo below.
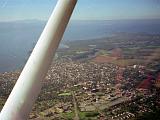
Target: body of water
(18, 38)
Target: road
(75, 107)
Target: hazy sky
(85, 9)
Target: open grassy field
(117, 61)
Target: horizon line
(27, 20)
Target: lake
(18, 38)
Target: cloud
(4, 4)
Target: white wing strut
(28, 86)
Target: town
(91, 85)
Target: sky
(11, 10)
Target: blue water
(18, 38)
